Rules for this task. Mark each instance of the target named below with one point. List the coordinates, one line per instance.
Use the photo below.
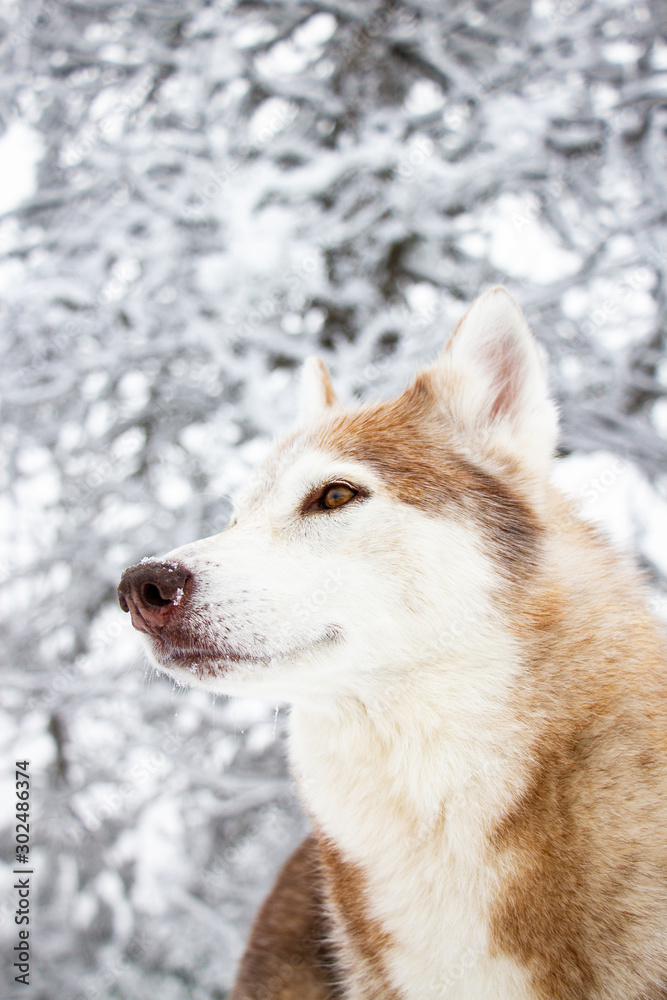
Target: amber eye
(332, 496)
(336, 495)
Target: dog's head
(373, 538)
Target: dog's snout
(151, 591)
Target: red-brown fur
(288, 956)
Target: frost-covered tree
(221, 190)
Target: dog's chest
(414, 917)
(409, 881)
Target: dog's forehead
(298, 461)
(394, 441)
(343, 438)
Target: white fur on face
(310, 607)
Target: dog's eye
(332, 496)
(336, 495)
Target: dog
(479, 693)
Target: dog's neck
(411, 758)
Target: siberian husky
(478, 691)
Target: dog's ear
(317, 392)
(493, 382)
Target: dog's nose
(151, 592)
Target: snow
(253, 34)
(271, 117)
(622, 52)
(424, 97)
(158, 854)
(614, 494)
(304, 47)
(659, 55)
(21, 149)
(615, 313)
(519, 244)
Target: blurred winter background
(193, 197)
